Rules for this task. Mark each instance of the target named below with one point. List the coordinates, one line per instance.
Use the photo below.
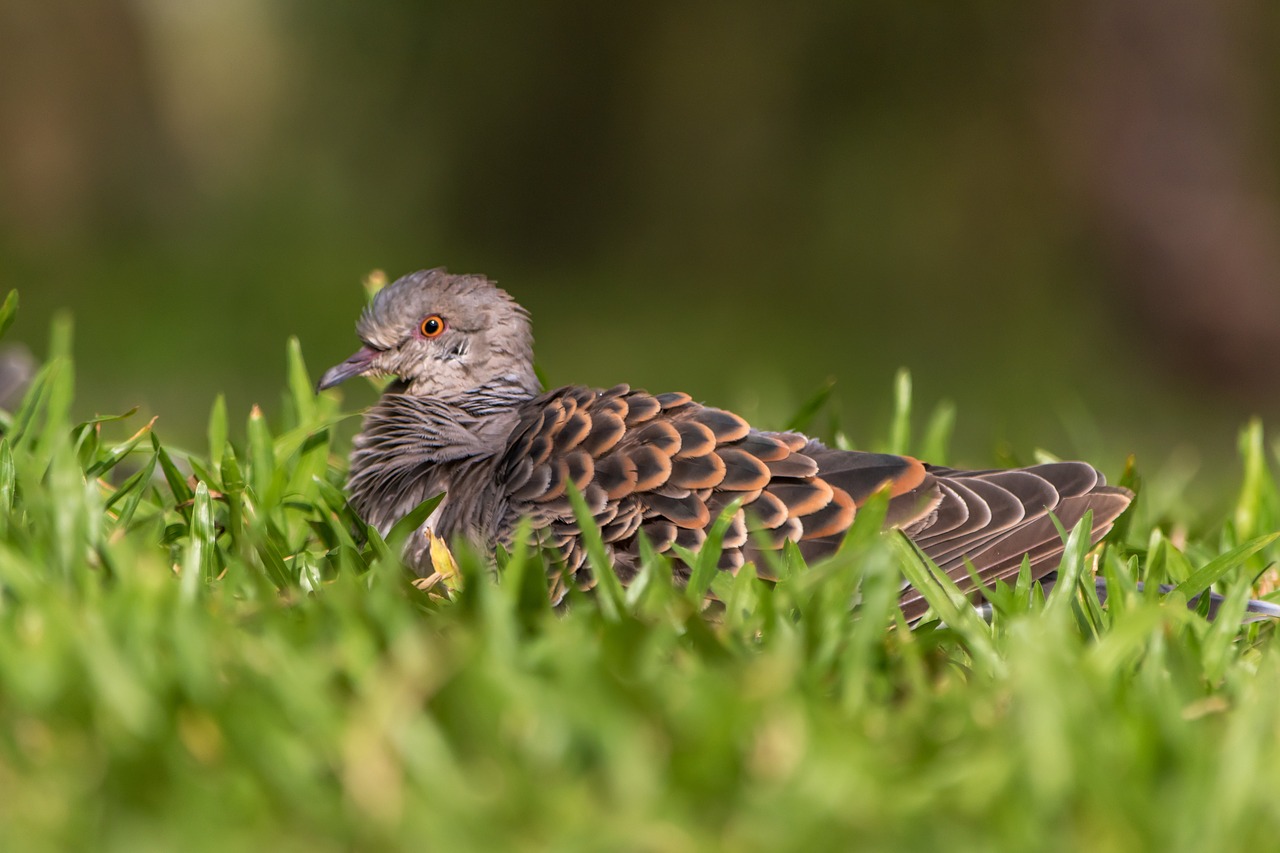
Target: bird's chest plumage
(411, 449)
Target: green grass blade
(950, 604)
(1256, 508)
(302, 393)
(900, 425)
(705, 563)
(132, 492)
(608, 587)
(1217, 568)
(217, 431)
(177, 483)
(117, 454)
(197, 567)
(8, 311)
(1071, 568)
(262, 459)
(935, 445)
(803, 418)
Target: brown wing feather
(995, 551)
(665, 467)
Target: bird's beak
(354, 366)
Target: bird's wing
(665, 467)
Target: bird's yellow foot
(446, 567)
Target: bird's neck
(505, 393)
(412, 447)
(518, 385)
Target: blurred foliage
(740, 200)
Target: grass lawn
(196, 653)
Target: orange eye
(432, 326)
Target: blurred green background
(1062, 216)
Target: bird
(465, 415)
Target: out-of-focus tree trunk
(1159, 120)
(81, 140)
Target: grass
(197, 653)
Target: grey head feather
(486, 338)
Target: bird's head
(439, 334)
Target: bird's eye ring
(432, 326)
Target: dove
(465, 415)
